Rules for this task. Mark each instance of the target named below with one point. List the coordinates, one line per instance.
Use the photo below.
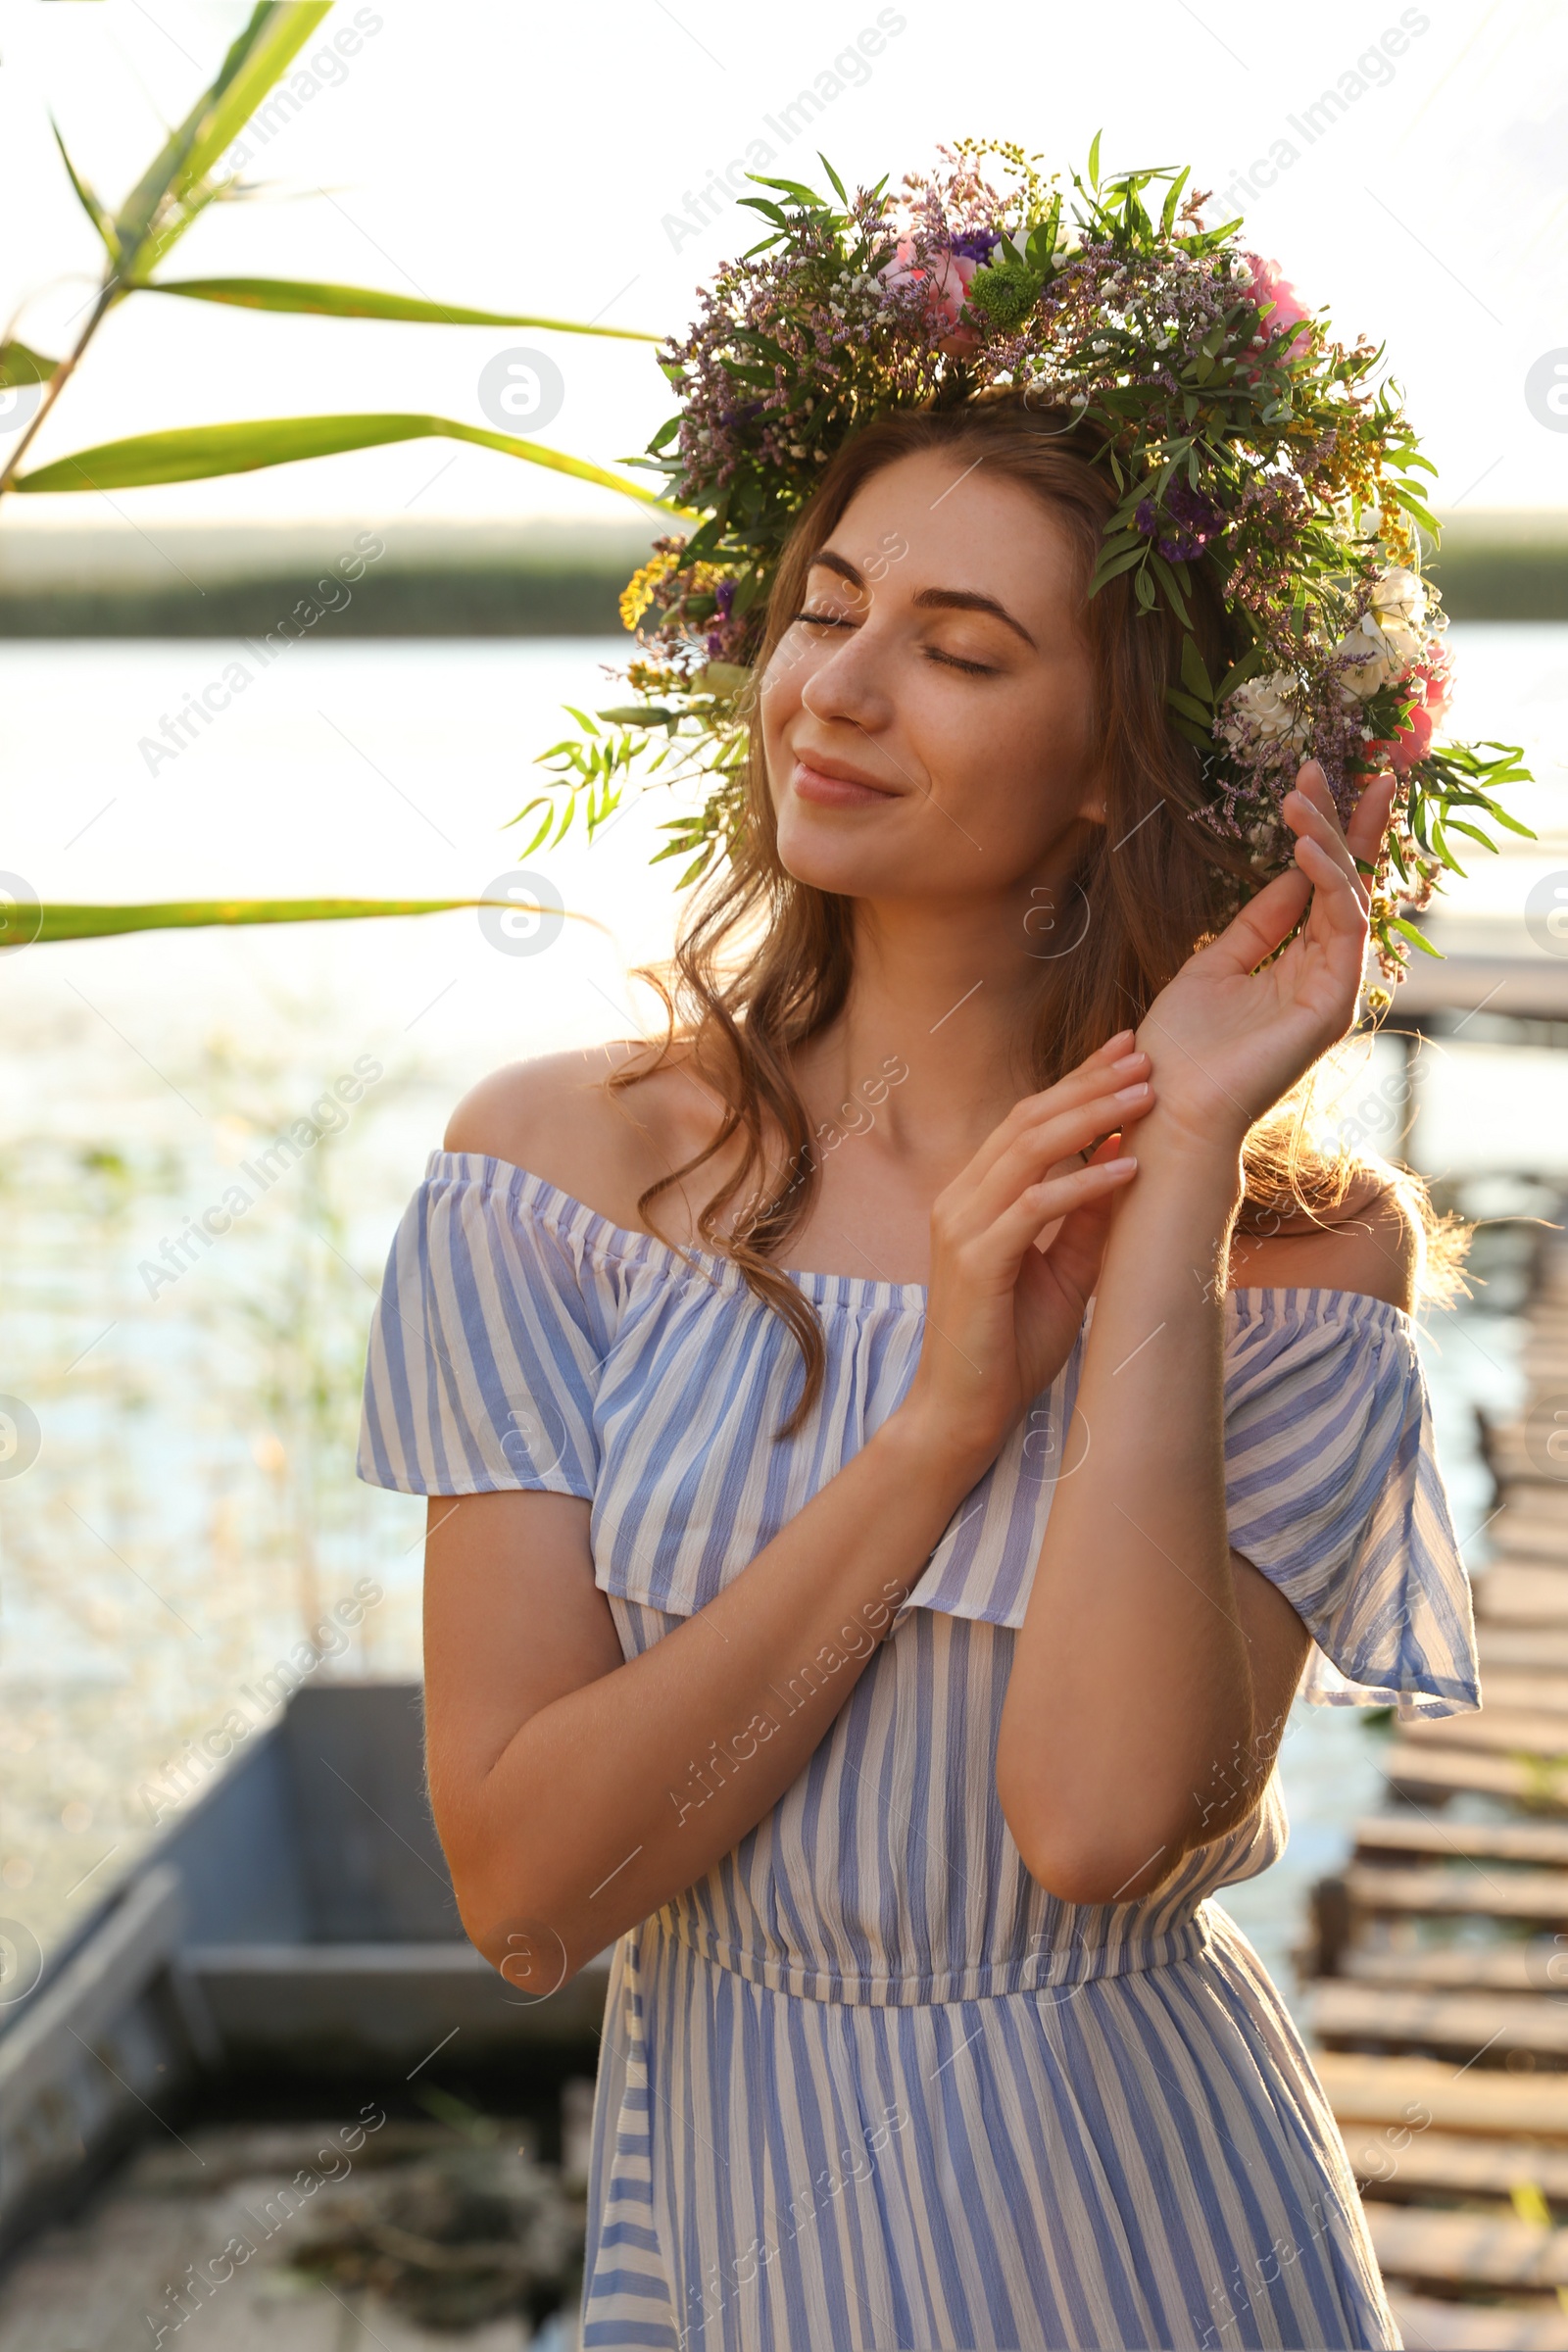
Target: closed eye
(835, 620)
(976, 669)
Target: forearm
(1131, 1687)
(613, 1797)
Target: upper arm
(512, 1620)
(512, 1617)
(1369, 1244)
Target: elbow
(1086, 1863)
(525, 1931)
(1094, 1876)
(522, 1945)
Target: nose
(847, 685)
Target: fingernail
(1128, 1061)
(1133, 1093)
(1123, 1037)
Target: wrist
(925, 1449)
(1201, 1152)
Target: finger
(1119, 1061)
(1055, 1146)
(1074, 1250)
(1035, 1151)
(1338, 899)
(1307, 821)
(1369, 822)
(1337, 924)
(1056, 1198)
(1313, 785)
(1264, 923)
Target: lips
(834, 784)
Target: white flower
(1386, 641)
(1266, 708)
(1405, 644)
(1370, 667)
(1398, 592)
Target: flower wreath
(1238, 436)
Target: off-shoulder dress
(866, 2083)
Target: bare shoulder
(1371, 1243)
(558, 1117)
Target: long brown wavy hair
(764, 963)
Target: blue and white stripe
(866, 2084)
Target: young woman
(883, 1502)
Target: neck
(948, 995)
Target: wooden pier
(1439, 1957)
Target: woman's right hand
(1003, 1313)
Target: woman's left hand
(1227, 1040)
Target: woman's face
(927, 717)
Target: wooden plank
(1526, 1538)
(1418, 2093)
(1539, 1966)
(1342, 2010)
(1486, 1841)
(1467, 2249)
(1499, 1729)
(1438, 1773)
(1533, 1648)
(1531, 1548)
(1516, 1457)
(1525, 1689)
(1438, 2326)
(1545, 1347)
(1463, 1893)
(1523, 1484)
(1509, 1593)
(1455, 2164)
(1527, 987)
(1508, 1447)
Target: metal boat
(299, 1918)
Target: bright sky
(547, 160)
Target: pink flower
(1267, 284)
(945, 278)
(1431, 683)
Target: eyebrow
(933, 600)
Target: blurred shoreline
(437, 576)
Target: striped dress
(865, 2084)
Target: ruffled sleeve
(1333, 1490)
(485, 1346)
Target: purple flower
(1198, 519)
(976, 244)
(724, 597)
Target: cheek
(779, 701)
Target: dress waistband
(1031, 1972)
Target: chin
(826, 855)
